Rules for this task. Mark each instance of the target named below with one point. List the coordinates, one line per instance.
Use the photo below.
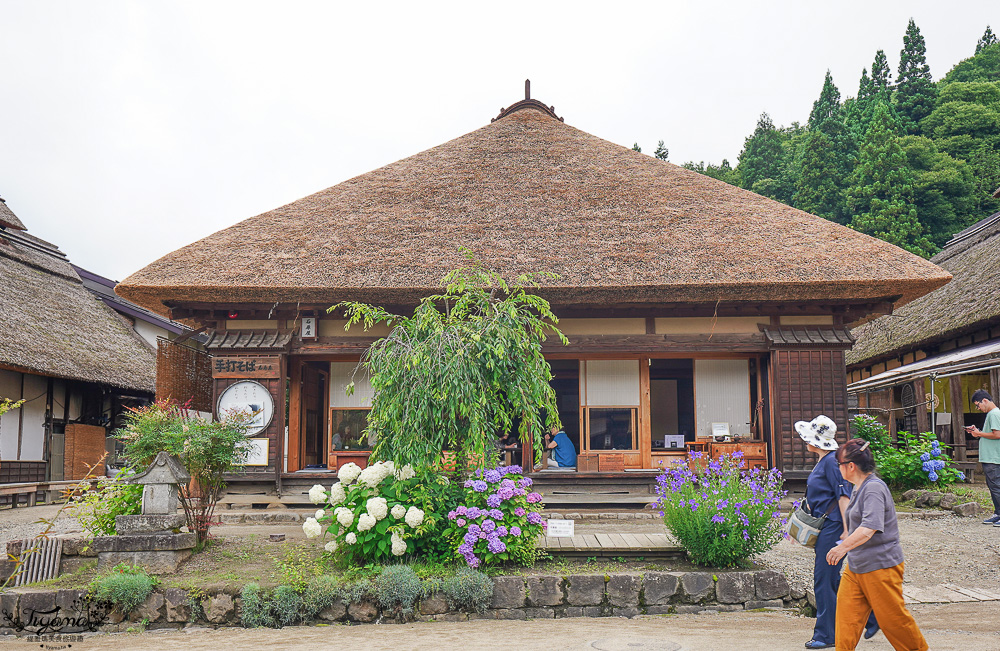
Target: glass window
(349, 427)
(611, 428)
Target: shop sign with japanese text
(245, 367)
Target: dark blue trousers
(826, 582)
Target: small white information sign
(560, 528)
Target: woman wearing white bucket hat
(827, 492)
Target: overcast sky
(129, 129)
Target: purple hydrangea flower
(534, 518)
(452, 515)
(492, 476)
(489, 525)
(474, 528)
(477, 485)
(493, 501)
(501, 531)
(496, 514)
(471, 537)
(465, 549)
(513, 470)
(515, 531)
(496, 546)
(520, 492)
(460, 522)
(462, 510)
(534, 498)
(519, 511)
(525, 482)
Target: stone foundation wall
(514, 597)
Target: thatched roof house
(62, 350)
(926, 360)
(526, 193)
(672, 285)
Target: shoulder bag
(803, 527)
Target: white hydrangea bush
(355, 513)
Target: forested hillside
(908, 160)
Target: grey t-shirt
(871, 506)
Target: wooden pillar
(994, 383)
(957, 417)
(279, 405)
(294, 413)
(645, 427)
(923, 413)
(890, 404)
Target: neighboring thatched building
(75, 362)
(950, 336)
(689, 303)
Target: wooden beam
(957, 417)
(294, 413)
(653, 343)
(923, 416)
(645, 426)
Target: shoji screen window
(610, 389)
(349, 414)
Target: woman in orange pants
(873, 574)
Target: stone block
(177, 605)
(334, 613)
(626, 516)
(921, 499)
(629, 612)
(659, 587)
(155, 562)
(968, 509)
(508, 592)
(585, 590)
(539, 613)
(811, 598)
(697, 587)
(364, 611)
(36, 607)
(934, 498)
(72, 546)
(797, 591)
(771, 584)
(219, 608)
(71, 564)
(545, 591)
(948, 500)
(127, 525)
(231, 518)
(623, 590)
(556, 516)
(435, 604)
(282, 516)
(73, 607)
(688, 610)
(643, 516)
(735, 587)
(765, 603)
(572, 516)
(661, 610)
(152, 609)
(608, 516)
(8, 604)
(145, 542)
(911, 494)
(511, 613)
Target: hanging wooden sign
(245, 367)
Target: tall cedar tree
(661, 152)
(986, 40)
(881, 192)
(915, 90)
(762, 154)
(823, 172)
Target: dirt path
(951, 627)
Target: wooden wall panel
(806, 383)
(275, 432)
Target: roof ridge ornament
(527, 102)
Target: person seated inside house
(559, 451)
(339, 439)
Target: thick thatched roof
(529, 193)
(53, 326)
(970, 302)
(7, 217)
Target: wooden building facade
(692, 307)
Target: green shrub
(96, 509)
(397, 588)
(468, 590)
(321, 592)
(918, 462)
(721, 515)
(256, 608)
(124, 586)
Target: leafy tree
(944, 189)
(661, 152)
(723, 171)
(458, 373)
(986, 40)
(636, 147)
(9, 405)
(915, 90)
(985, 164)
(984, 66)
(762, 156)
(967, 117)
(881, 77)
(881, 191)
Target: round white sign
(250, 397)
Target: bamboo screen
(182, 374)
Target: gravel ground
(946, 549)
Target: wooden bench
(31, 490)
